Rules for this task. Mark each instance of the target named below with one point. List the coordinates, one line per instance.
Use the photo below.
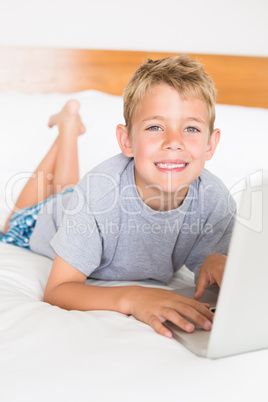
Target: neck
(160, 201)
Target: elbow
(51, 296)
(46, 297)
(56, 296)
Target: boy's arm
(66, 288)
(211, 272)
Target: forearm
(149, 305)
(79, 296)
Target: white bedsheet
(49, 354)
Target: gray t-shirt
(108, 232)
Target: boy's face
(170, 142)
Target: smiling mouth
(170, 166)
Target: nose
(173, 140)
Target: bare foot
(68, 118)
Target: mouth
(171, 166)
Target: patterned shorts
(22, 223)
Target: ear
(212, 143)
(124, 140)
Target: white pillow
(243, 147)
(25, 138)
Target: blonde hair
(185, 75)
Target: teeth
(170, 165)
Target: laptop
(241, 322)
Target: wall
(204, 26)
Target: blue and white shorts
(22, 223)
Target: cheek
(198, 149)
(144, 147)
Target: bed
(47, 353)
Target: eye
(154, 128)
(191, 130)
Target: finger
(179, 320)
(204, 310)
(157, 325)
(218, 277)
(198, 314)
(202, 283)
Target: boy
(144, 213)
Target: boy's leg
(59, 169)
(66, 168)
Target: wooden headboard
(239, 80)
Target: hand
(211, 272)
(154, 306)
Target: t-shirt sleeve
(78, 240)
